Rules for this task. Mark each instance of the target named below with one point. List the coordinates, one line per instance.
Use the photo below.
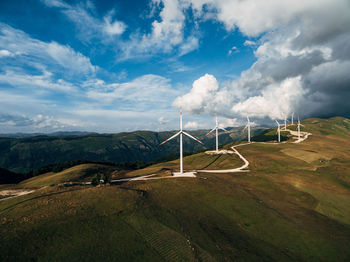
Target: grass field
(287, 208)
(193, 162)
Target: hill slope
(25, 154)
(293, 205)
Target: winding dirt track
(304, 136)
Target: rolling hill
(292, 205)
(22, 155)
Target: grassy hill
(22, 155)
(293, 205)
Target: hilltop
(292, 205)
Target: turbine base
(219, 152)
(185, 174)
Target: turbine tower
(248, 127)
(299, 129)
(181, 132)
(278, 131)
(285, 123)
(293, 118)
(216, 128)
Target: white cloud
(55, 3)
(202, 91)
(147, 90)
(112, 120)
(68, 58)
(231, 122)
(189, 45)
(191, 125)
(292, 55)
(37, 123)
(88, 25)
(167, 33)
(249, 43)
(268, 15)
(162, 120)
(33, 52)
(5, 53)
(233, 50)
(113, 28)
(36, 82)
(275, 102)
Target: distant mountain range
(59, 133)
(24, 154)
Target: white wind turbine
(285, 123)
(278, 131)
(299, 128)
(216, 128)
(181, 147)
(293, 118)
(248, 127)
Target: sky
(114, 66)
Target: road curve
(305, 135)
(234, 170)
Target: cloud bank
(303, 60)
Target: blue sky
(111, 66)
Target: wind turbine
(248, 127)
(285, 123)
(216, 128)
(278, 131)
(293, 118)
(299, 128)
(181, 132)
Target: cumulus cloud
(302, 59)
(267, 15)
(276, 100)
(166, 35)
(200, 98)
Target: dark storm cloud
(303, 62)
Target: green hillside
(293, 205)
(22, 155)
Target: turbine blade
(211, 131)
(178, 133)
(224, 130)
(244, 129)
(193, 137)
